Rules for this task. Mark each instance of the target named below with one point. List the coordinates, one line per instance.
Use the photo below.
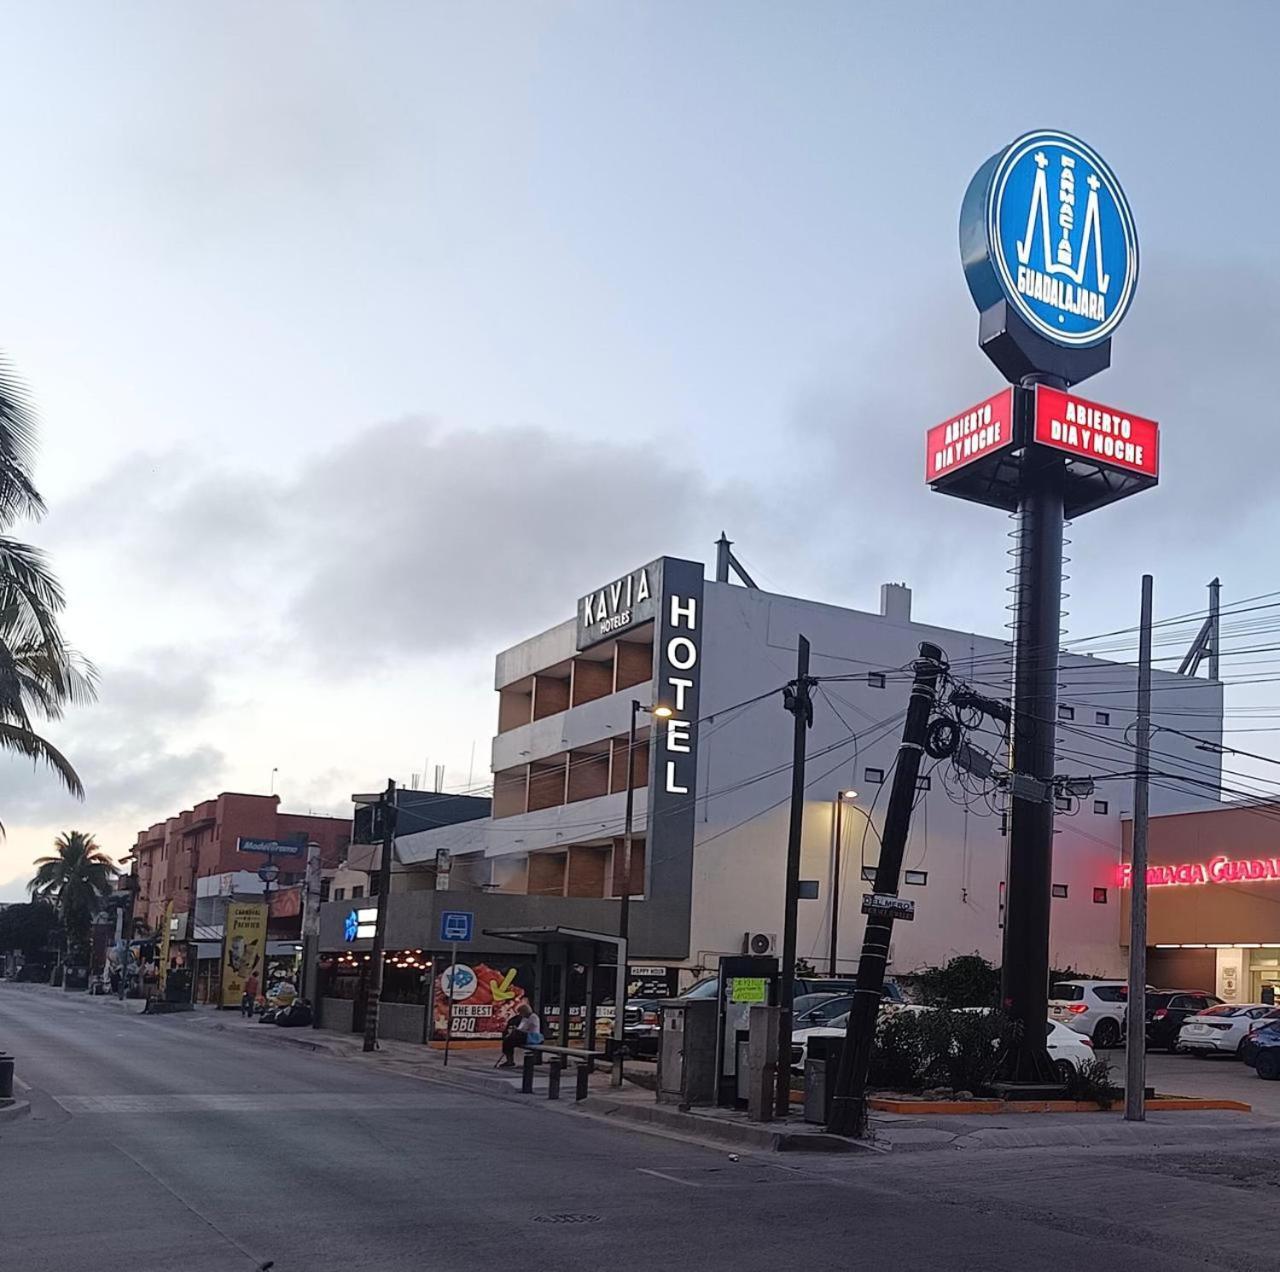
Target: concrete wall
(337, 1014)
(402, 1021)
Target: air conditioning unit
(760, 943)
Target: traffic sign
(456, 926)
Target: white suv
(1096, 1008)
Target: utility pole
(193, 949)
(1135, 1057)
(311, 929)
(387, 807)
(848, 1105)
(797, 700)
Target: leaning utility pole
(848, 1104)
(387, 808)
(796, 700)
(1135, 1059)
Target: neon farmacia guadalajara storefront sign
(1215, 870)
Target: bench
(560, 1057)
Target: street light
(624, 908)
(841, 798)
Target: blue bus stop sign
(1045, 226)
(456, 925)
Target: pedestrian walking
(250, 996)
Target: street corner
(10, 1110)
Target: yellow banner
(165, 924)
(244, 944)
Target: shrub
(898, 1059)
(967, 980)
(963, 1048)
(1092, 1082)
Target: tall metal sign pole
(373, 989)
(1050, 255)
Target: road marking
(20, 1084)
(256, 1102)
(662, 1174)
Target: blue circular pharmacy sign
(1046, 226)
(351, 926)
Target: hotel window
(875, 679)
(874, 776)
(339, 894)
(357, 891)
(325, 886)
(923, 783)
(1100, 806)
(1099, 896)
(917, 877)
(1065, 712)
(1102, 717)
(1059, 890)
(868, 874)
(1063, 803)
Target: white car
(1096, 1008)
(1223, 1028)
(1066, 1047)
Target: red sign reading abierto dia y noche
(1100, 433)
(979, 431)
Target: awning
(604, 944)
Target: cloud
(409, 539)
(128, 748)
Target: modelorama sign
(1215, 870)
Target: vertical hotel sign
(244, 943)
(673, 750)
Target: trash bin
(6, 1077)
(821, 1061)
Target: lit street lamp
(624, 908)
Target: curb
(10, 1109)
(1159, 1104)
(755, 1138)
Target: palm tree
(76, 879)
(39, 673)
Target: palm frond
(25, 742)
(18, 495)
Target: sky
(366, 338)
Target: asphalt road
(182, 1142)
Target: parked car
(1261, 1049)
(804, 986)
(1169, 1009)
(1222, 1029)
(1263, 1034)
(642, 1026)
(1095, 1008)
(811, 1010)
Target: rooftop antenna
(726, 561)
(439, 779)
(1205, 644)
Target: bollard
(6, 1077)
(584, 1076)
(526, 1078)
(553, 1080)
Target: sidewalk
(635, 1108)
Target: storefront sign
(748, 989)
(884, 905)
(1216, 870)
(360, 925)
(981, 430)
(273, 847)
(1095, 432)
(244, 943)
(625, 603)
(1046, 226)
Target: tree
(968, 980)
(27, 927)
(76, 879)
(40, 674)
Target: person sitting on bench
(524, 1030)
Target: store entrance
(1264, 971)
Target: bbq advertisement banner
(485, 997)
(244, 943)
